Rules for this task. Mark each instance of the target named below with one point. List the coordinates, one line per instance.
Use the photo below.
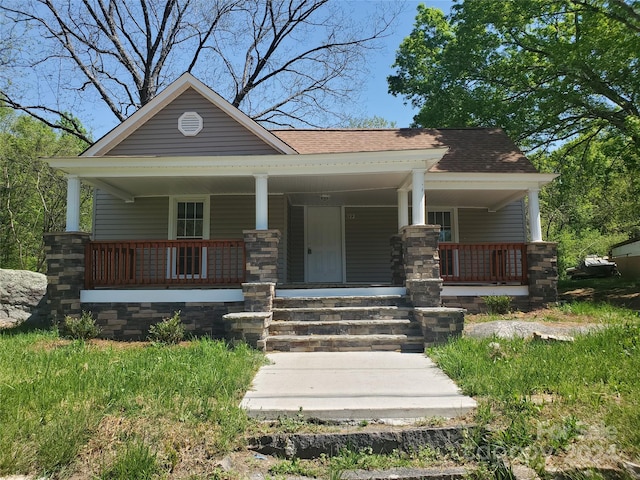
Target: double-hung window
(189, 222)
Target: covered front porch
(335, 214)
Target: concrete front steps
(344, 324)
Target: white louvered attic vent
(190, 124)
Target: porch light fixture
(190, 124)
(324, 197)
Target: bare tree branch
(300, 58)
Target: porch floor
(354, 386)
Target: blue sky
(374, 99)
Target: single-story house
(198, 208)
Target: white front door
(324, 244)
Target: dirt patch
(606, 290)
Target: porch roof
(355, 178)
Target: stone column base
(249, 327)
(425, 293)
(258, 297)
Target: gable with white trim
(220, 134)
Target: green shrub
(169, 331)
(498, 304)
(82, 328)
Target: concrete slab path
(353, 386)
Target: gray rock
(514, 328)
(22, 297)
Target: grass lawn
(118, 410)
(557, 405)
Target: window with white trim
(444, 219)
(188, 220)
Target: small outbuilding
(627, 256)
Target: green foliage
(32, 195)
(369, 122)
(594, 203)
(135, 460)
(498, 304)
(56, 395)
(169, 331)
(82, 328)
(544, 71)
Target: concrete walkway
(354, 386)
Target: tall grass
(54, 394)
(594, 379)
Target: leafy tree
(545, 70)
(594, 202)
(280, 61)
(370, 122)
(32, 195)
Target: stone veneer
(258, 297)
(439, 324)
(477, 304)
(261, 250)
(249, 327)
(422, 264)
(542, 267)
(397, 261)
(131, 321)
(65, 254)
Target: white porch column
(534, 215)
(418, 208)
(262, 202)
(403, 208)
(73, 203)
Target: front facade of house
(193, 200)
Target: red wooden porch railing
(164, 263)
(483, 262)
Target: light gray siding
(231, 214)
(220, 135)
(296, 244)
(505, 225)
(367, 234)
(145, 219)
(148, 219)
